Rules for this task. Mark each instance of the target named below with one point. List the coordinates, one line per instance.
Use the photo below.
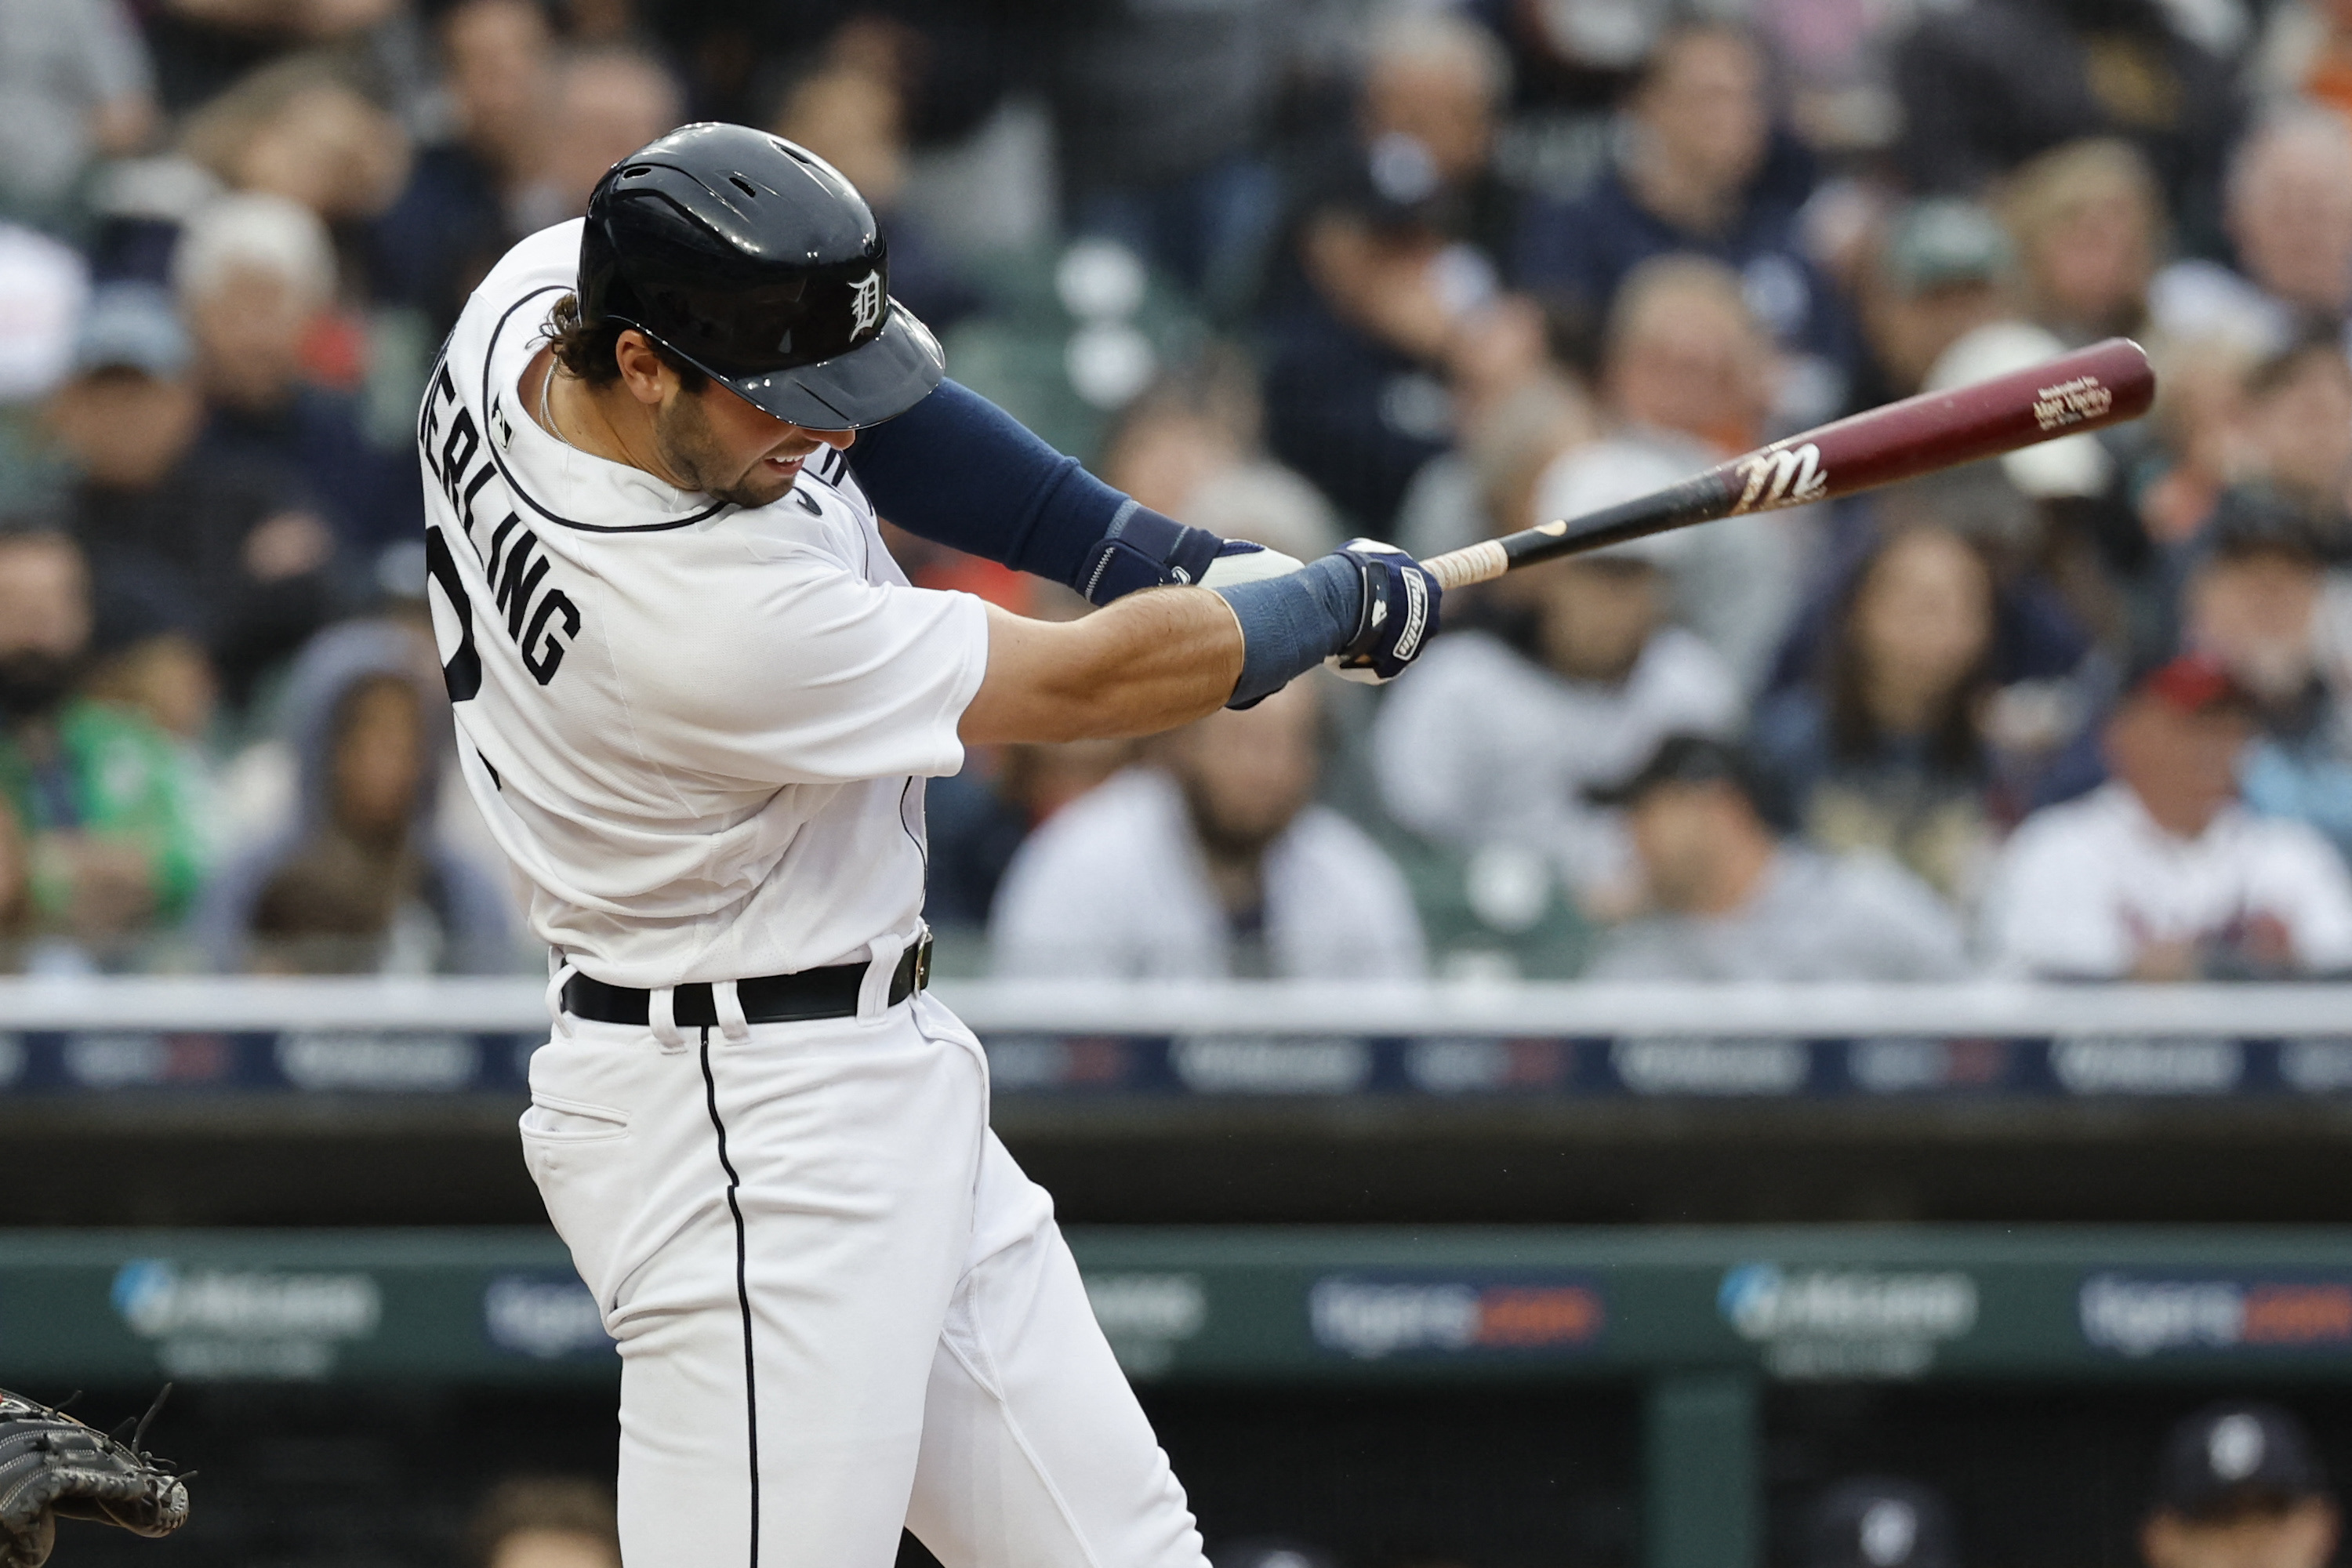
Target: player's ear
(642, 370)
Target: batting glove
(1399, 612)
(1239, 561)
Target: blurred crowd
(2237, 1484)
(1289, 271)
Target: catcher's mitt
(52, 1466)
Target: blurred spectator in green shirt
(98, 793)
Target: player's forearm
(1145, 664)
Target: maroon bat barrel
(2104, 385)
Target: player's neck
(604, 422)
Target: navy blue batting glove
(1366, 608)
(1144, 550)
(1398, 614)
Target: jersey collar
(553, 480)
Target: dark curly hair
(586, 348)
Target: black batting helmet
(754, 262)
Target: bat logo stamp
(1781, 476)
(2071, 402)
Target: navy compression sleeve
(960, 471)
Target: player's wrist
(1369, 607)
(1292, 623)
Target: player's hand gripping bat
(2106, 384)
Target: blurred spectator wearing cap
(1941, 270)
(1435, 83)
(1884, 747)
(543, 1522)
(2161, 874)
(1943, 309)
(2238, 1487)
(2289, 222)
(465, 200)
(180, 536)
(253, 274)
(1217, 861)
(1987, 85)
(1493, 738)
(75, 86)
(102, 807)
(2088, 223)
(1727, 900)
(363, 882)
(1879, 1522)
(1694, 177)
(2263, 603)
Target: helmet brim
(877, 380)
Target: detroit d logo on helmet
(867, 302)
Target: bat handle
(1480, 563)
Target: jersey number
(542, 645)
(462, 674)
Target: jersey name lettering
(540, 619)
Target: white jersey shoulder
(698, 731)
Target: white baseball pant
(841, 1307)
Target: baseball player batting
(698, 702)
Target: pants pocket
(558, 1121)
(582, 1158)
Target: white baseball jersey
(2083, 887)
(700, 731)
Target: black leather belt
(798, 998)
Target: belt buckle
(923, 962)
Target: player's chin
(766, 482)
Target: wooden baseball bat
(2106, 384)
